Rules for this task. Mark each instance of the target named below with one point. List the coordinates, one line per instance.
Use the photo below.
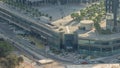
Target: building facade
(113, 15)
(44, 2)
(98, 47)
(84, 42)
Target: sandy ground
(54, 65)
(95, 66)
(57, 12)
(27, 63)
(107, 66)
(63, 21)
(31, 64)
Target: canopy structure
(34, 0)
(45, 61)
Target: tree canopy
(5, 48)
(95, 12)
(8, 60)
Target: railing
(42, 30)
(39, 25)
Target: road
(107, 59)
(30, 49)
(22, 20)
(26, 46)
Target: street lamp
(46, 48)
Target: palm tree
(46, 15)
(50, 18)
(74, 15)
(82, 13)
(79, 18)
(4, 63)
(39, 13)
(20, 60)
(12, 60)
(97, 25)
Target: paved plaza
(57, 12)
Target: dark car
(101, 61)
(32, 42)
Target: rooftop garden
(94, 12)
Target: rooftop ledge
(92, 35)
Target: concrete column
(112, 49)
(101, 50)
(89, 49)
(44, 2)
(67, 1)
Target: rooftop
(92, 35)
(86, 22)
(34, 0)
(59, 24)
(68, 28)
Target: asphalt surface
(26, 46)
(31, 49)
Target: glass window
(84, 47)
(106, 49)
(83, 41)
(92, 42)
(97, 42)
(116, 47)
(94, 49)
(117, 41)
(105, 43)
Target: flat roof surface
(24, 16)
(45, 61)
(70, 29)
(79, 66)
(60, 11)
(86, 22)
(95, 66)
(60, 23)
(95, 36)
(34, 0)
